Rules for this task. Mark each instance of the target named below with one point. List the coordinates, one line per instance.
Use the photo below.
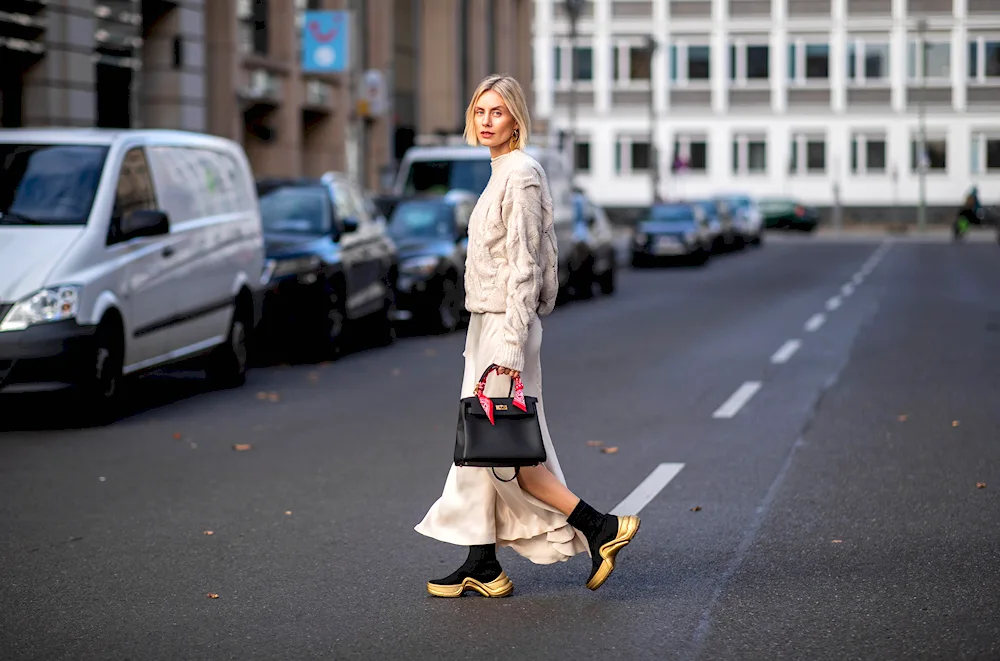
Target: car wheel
(639, 260)
(449, 312)
(583, 281)
(98, 389)
(227, 364)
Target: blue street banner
(325, 41)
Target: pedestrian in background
(510, 280)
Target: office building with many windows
(820, 99)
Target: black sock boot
(480, 572)
(606, 534)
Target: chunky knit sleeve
(523, 214)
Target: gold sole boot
(628, 526)
(501, 586)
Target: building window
(808, 155)
(581, 155)
(868, 154)
(985, 153)
(690, 63)
(641, 156)
(984, 59)
(749, 155)
(633, 155)
(691, 154)
(252, 16)
(573, 64)
(583, 63)
(631, 62)
(808, 62)
(936, 154)
(867, 61)
(937, 56)
(640, 63)
(748, 62)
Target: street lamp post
(573, 8)
(922, 121)
(654, 169)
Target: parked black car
(788, 213)
(672, 231)
(329, 264)
(431, 233)
(592, 258)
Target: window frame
(741, 153)
(859, 152)
(915, 62)
(857, 50)
(976, 70)
(621, 64)
(566, 61)
(931, 137)
(799, 159)
(739, 59)
(797, 62)
(683, 142)
(979, 152)
(680, 50)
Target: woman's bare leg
(543, 485)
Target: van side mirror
(144, 222)
(350, 225)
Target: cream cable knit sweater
(512, 261)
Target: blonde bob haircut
(513, 96)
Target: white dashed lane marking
(815, 321)
(736, 401)
(647, 490)
(786, 351)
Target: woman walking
(511, 280)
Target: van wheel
(449, 312)
(98, 390)
(227, 364)
(607, 281)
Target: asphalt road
(827, 506)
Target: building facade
(820, 99)
(233, 68)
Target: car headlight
(276, 268)
(53, 304)
(419, 266)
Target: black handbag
(501, 432)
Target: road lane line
(736, 401)
(858, 279)
(815, 322)
(847, 289)
(786, 351)
(647, 490)
(833, 303)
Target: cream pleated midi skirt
(476, 508)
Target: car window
(423, 219)
(296, 209)
(135, 190)
(49, 184)
(442, 176)
(343, 204)
(673, 213)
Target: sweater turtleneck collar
(498, 161)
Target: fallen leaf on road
(102, 479)
(273, 397)
(209, 532)
(836, 541)
(430, 352)
(696, 508)
(288, 512)
(396, 371)
(194, 446)
(262, 395)
(595, 444)
(242, 447)
(902, 418)
(212, 595)
(954, 423)
(980, 485)
(177, 435)
(610, 450)
(314, 376)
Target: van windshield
(49, 184)
(443, 176)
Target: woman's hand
(500, 370)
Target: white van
(122, 251)
(443, 168)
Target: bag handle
(516, 386)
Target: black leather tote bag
(500, 432)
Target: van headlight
(53, 304)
